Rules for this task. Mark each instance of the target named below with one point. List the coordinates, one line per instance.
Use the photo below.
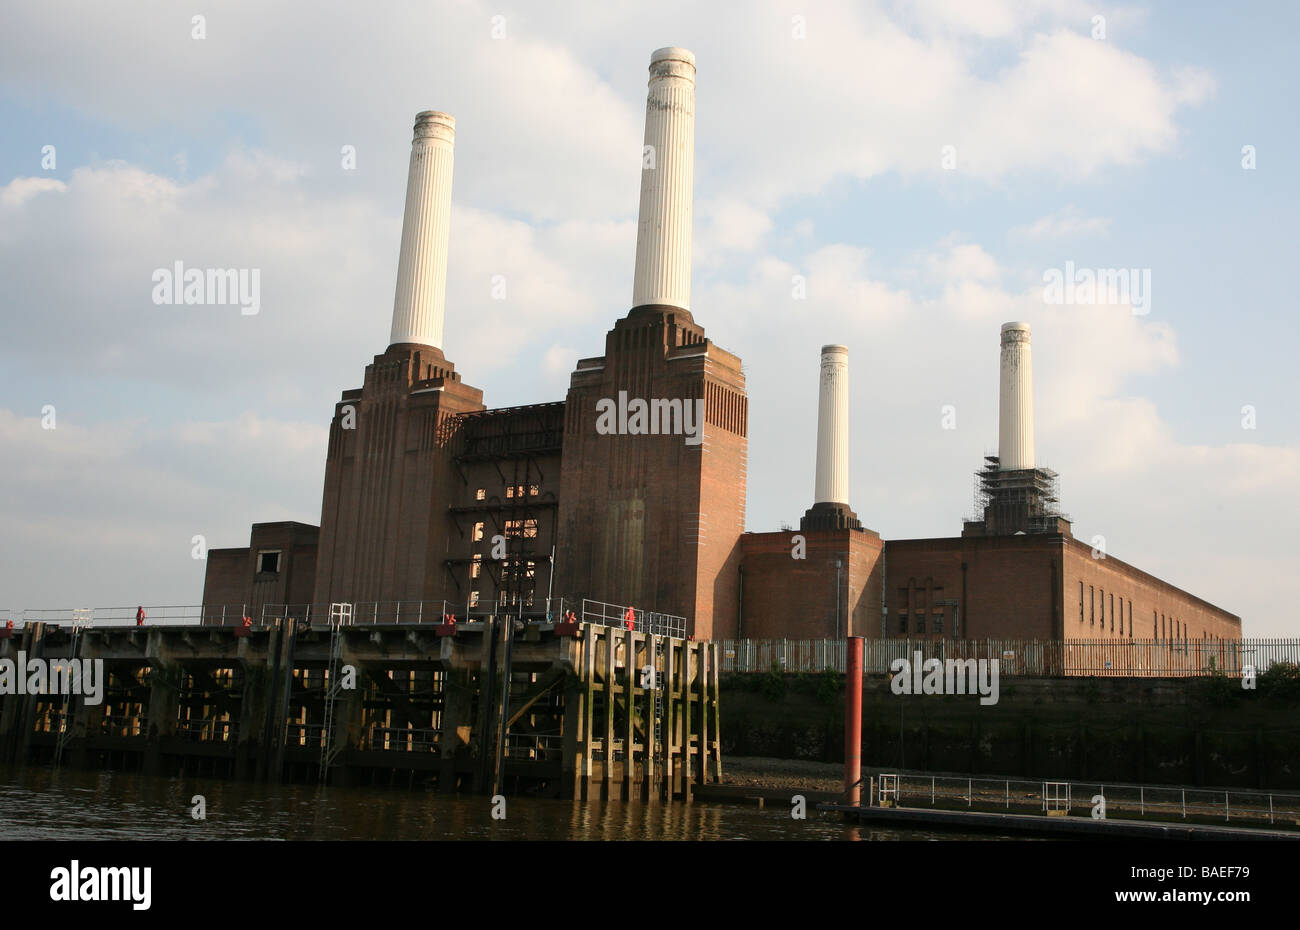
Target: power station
(622, 493)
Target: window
(473, 599)
(268, 560)
(1092, 607)
(1130, 619)
(480, 494)
(478, 532)
(534, 490)
(1103, 608)
(1080, 601)
(920, 623)
(525, 528)
(902, 623)
(476, 567)
(938, 623)
(1112, 616)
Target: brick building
(632, 489)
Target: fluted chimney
(421, 297)
(663, 237)
(1016, 400)
(830, 509)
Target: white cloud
(1068, 222)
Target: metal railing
(645, 621)
(1037, 658)
(400, 739)
(364, 613)
(1141, 801)
(534, 746)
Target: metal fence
(364, 613)
(643, 621)
(1041, 658)
(1143, 801)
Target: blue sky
(817, 157)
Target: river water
(38, 803)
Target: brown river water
(41, 803)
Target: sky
(896, 177)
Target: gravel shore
(759, 772)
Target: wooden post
(670, 727)
(608, 774)
(702, 775)
(689, 650)
(717, 715)
(629, 704)
(589, 705)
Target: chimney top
(1008, 327)
(841, 350)
(434, 124)
(672, 53)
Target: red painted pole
(853, 721)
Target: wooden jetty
(499, 705)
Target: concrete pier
(592, 711)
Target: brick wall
(650, 520)
(789, 598)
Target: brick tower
(652, 502)
(383, 535)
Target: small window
(938, 623)
(1080, 601)
(476, 566)
(478, 532)
(902, 623)
(533, 490)
(480, 494)
(1112, 615)
(269, 561)
(1092, 606)
(473, 599)
(920, 624)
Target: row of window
(513, 491)
(1094, 603)
(1162, 627)
(935, 625)
(526, 529)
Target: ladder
(79, 619)
(340, 616)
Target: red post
(853, 721)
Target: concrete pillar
(663, 239)
(164, 706)
(1016, 400)
(421, 297)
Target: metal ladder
(340, 615)
(65, 725)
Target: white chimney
(832, 485)
(663, 235)
(1016, 400)
(421, 297)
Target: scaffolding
(1016, 500)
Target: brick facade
(652, 520)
